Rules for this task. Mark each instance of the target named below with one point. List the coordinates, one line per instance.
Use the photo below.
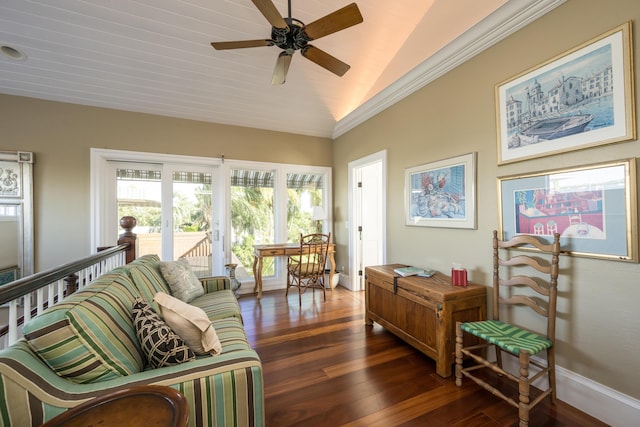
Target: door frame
(354, 212)
(103, 219)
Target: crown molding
(506, 20)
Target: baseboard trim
(597, 400)
(601, 402)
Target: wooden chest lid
(437, 287)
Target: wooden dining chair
(531, 281)
(305, 270)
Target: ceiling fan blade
(336, 21)
(281, 69)
(269, 10)
(325, 60)
(241, 44)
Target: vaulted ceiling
(154, 56)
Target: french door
(177, 214)
(205, 210)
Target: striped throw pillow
(89, 337)
(149, 281)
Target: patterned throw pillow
(191, 323)
(181, 279)
(160, 345)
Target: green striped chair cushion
(218, 305)
(90, 336)
(508, 337)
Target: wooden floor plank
(324, 367)
(365, 362)
(413, 407)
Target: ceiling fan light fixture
(294, 38)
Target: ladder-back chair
(540, 294)
(305, 270)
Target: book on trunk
(413, 271)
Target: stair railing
(29, 296)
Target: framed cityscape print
(442, 193)
(593, 208)
(579, 99)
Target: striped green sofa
(91, 349)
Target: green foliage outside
(252, 221)
(187, 215)
(145, 216)
(252, 218)
(299, 221)
(199, 217)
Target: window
(304, 191)
(139, 193)
(172, 199)
(218, 209)
(272, 203)
(252, 216)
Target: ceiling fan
(291, 34)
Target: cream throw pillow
(181, 279)
(190, 323)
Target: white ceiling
(154, 56)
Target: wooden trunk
(423, 311)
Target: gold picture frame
(579, 99)
(593, 207)
(442, 193)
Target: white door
(175, 211)
(368, 216)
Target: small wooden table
(282, 249)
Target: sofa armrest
(215, 283)
(34, 391)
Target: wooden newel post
(127, 223)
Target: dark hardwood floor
(324, 367)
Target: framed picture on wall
(592, 207)
(581, 98)
(442, 193)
